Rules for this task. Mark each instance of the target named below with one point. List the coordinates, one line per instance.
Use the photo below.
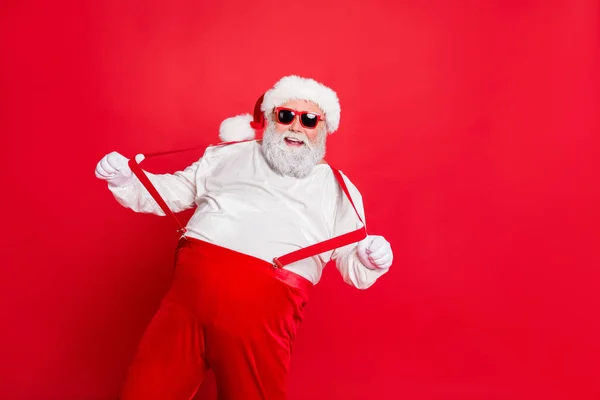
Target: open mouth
(294, 142)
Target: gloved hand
(113, 168)
(375, 252)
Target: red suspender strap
(137, 170)
(330, 244)
(340, 179)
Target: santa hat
(244, 126)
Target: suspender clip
(277, 263)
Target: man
(235, 302)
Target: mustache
(295, 135)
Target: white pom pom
(237, 128)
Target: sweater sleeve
(346, 259)
(179, 189)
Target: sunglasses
(286, 116)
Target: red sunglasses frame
(297, 114)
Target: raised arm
(360, 274)
(179, 190)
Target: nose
(296, 126)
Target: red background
(471, 130)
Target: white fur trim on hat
(236, 129)
(297, 88)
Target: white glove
(374, 252)
(113, 168)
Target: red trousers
(226, 311)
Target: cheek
(280, 128)
(312, 135)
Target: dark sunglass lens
(310, 120)
(285, 116)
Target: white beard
(292, 161)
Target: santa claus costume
(248, 257)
